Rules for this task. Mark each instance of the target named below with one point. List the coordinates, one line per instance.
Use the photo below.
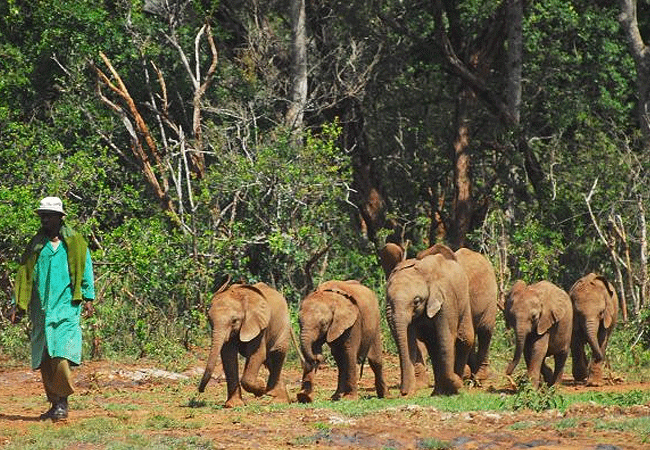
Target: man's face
(50, 221)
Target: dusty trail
(145, 392)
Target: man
(54, 277)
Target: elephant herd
(441, 304)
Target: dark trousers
(57, 378)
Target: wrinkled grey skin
(595, 311)
(428, 300)
(345, 315)
(542, 317)
(251, 320)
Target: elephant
(345, 314)
(428, 300)
(595, 310)
(483, 291)
(542, 318)
(390, 255)
(251, 320)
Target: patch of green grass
(434, 444)
(535, 399)
(464, 401)
(629, 398)
(523, 425)
(322, 426)
(566, 423)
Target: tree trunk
(295, 113)
(641, 55)
(463, 206)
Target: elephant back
(483, 288)
(362, 296)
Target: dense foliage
(234, 192)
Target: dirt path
(135, 392)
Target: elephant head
(595, 301)
(390, 255)
(531, 310)
(324, 316)
(416, 290)
(237, 314)
(595, 310)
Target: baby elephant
(595, 310)
(345, 314)
(542, 317)
(251, 320)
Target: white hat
(51, 204)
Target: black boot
(48, 414)
(60, 411)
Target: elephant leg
(560, 361)
(481, 367)
(420, 366)
(231, 372)
(547, 373)
(442, 353)
(346, 362)
(255, 356)
(462, 350)
(535, 355)
(578, 342)
(375, 362)
(275, 386)
(306, 395)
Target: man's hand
(89, 309)
(16, 315)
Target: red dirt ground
(404, 427)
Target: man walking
(54, 278)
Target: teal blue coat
(55, 317)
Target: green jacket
(56, 281)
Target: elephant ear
(344, 314)
(257, 313)
(552, 312)
(611, 303)
(435, 300)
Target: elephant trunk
(400, 328)
(519, 348)
(312, 361)
(307, 340)
(213, 359)
(591, 330)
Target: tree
(641, 54)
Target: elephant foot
(234, 402)
(279, 394)
(305, 397)
(257, 387)
(483, 373)
(421, 376)
(595, 375)
(345, 396)
(381, 390)
(449, 386)
(467, 373)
